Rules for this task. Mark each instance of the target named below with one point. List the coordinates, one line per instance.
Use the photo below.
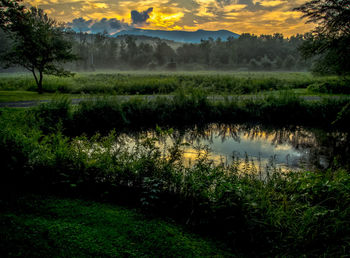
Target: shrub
(331, 87)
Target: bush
(53, 115)
(331, 87)
(300, 213)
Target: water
(289, 148)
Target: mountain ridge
(180, 36)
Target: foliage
(38, 43)
(246, 52)
(101, 51)
(105, 114)
(330, 87)
(302, 213)
(47, 226)
(332, 17)
(331, 39)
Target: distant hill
(151, 40)
(180, 36)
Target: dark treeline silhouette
(248, 52)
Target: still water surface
(288, 148)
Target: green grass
(14, 96)
(17, 96)
(38, 226)
(148, 83)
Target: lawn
(14, 96)
(38, 226)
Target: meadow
(22, 86)
(73, 152)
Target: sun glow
(252, 16)
(164, 20)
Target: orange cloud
(164, 20)
(240, 16)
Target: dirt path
(31, 103)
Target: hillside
(180, 36)
(150, 40)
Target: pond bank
(300, 213)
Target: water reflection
(288, 148)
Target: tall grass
(303, 213)
(104, 114)
(141, 83)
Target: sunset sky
(239, 16)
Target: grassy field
(40, 226)
(17, 87)
(14, 96)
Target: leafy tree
(266, 63)
(123, 54)
(144, 55)
(81, 47)
(163, 52)
(253, 64)
(38, 42)
(330, 41)
(277, 63)
(289, 63)
(131, 49)
(205, 47)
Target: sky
(239, 16)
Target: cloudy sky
(253, 16)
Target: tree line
(250, 52)
(36, 42)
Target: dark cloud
(140, 17)
(223, 3)
(109, 25)
(80, 24)
(250, 5)
(99, 26)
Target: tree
(266, 63)
(289, 62)
(330, 41)
(163, 52)
(38, 42)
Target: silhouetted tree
(330, 41)
(38, 42)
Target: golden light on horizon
(163, 20)
(239, 16)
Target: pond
(287, 148)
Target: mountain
(150, 40)
(180, 36)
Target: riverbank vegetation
(104, 114)
(54, 149)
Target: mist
(246, 53)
